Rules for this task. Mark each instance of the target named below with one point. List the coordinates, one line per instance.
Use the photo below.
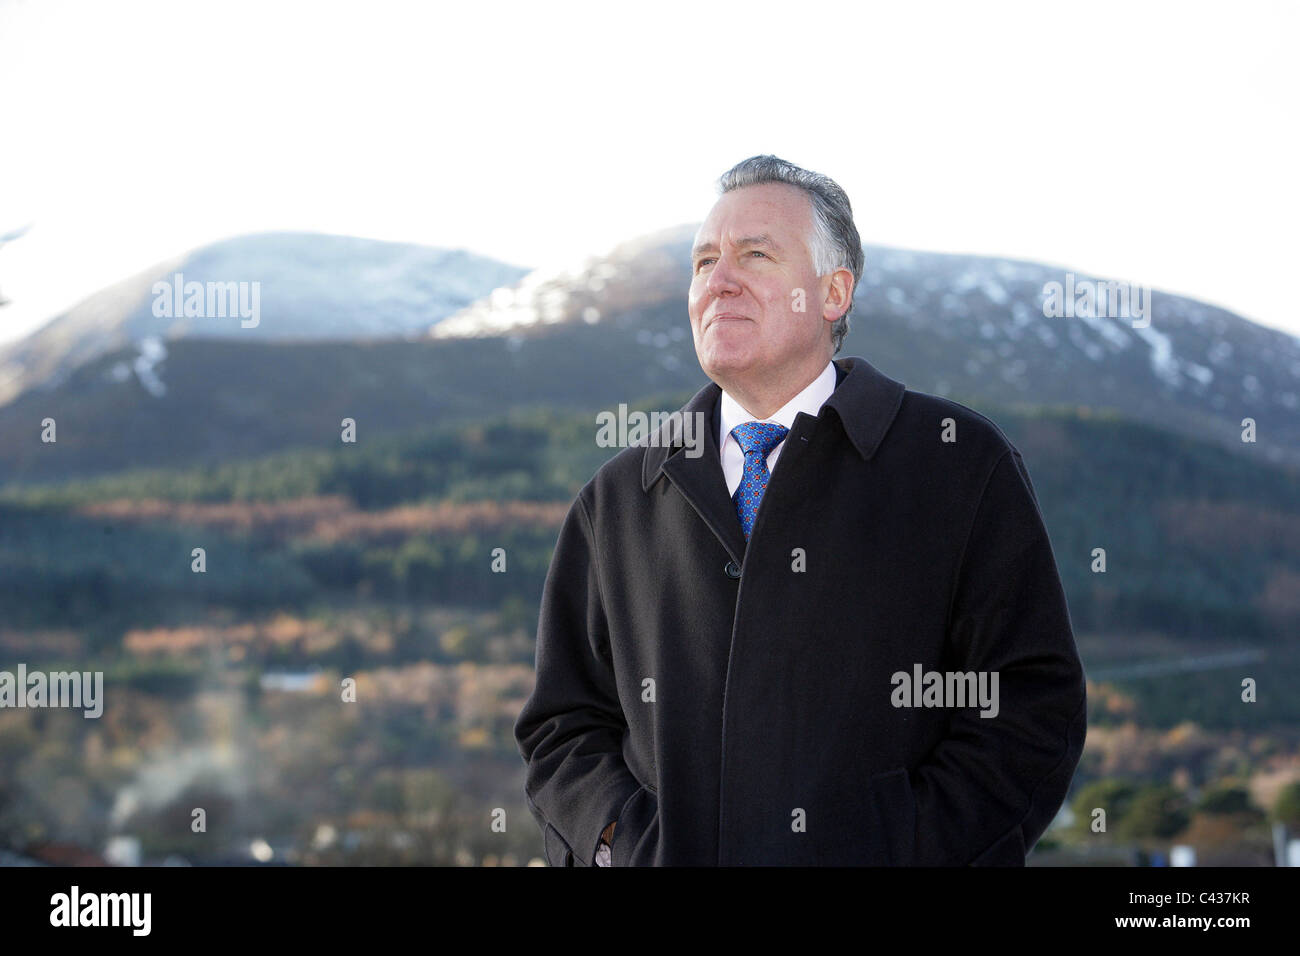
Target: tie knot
(759, 436)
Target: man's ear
(839, 294)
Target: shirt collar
(866, 401)
(809, 401)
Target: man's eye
(752, 252)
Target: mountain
(614, 328)
(308, 287)
(957, 325)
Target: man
(835, 636)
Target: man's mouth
(728, 317)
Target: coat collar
(865, 401)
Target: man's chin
(727, 363)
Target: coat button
(732, 569)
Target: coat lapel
(865, 400)
(700, 479)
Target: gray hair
(834, 241)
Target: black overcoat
(735, 703)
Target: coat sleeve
(987, 792)
(570, 731)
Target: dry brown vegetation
(331, 518)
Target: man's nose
(722, 277)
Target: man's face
(750, 257)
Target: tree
(1156, 812)
(1109, 794)
(1287, 808)
(1227, 800)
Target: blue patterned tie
(756, 440)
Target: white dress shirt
(810, 401)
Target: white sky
(1155, 142)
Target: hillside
(1201, 544)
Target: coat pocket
(895, 807)
(636, 833)
(558, 852)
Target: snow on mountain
(304, 287)
(643, 271)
